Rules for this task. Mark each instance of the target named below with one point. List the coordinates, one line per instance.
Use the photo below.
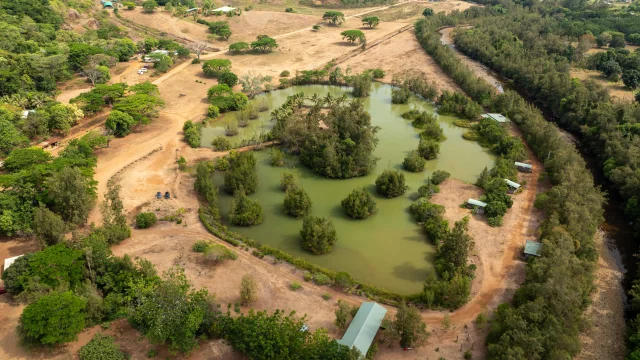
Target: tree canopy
(333, 17)
(318, 235)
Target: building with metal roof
(224, 9)
(107, 4)
(364, 327)
(513, 185)
(532, 248)
(523, 167)
(475, 202)
(496, 117)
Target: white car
(142, 71)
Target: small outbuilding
(107, 4)
(189, 11)
(9, 261)
(224, 9)
(499, 118)
(364, 327)
(513, 186)
(477, 205)
(524, 167)
(532, 248)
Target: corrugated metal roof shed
(9, 261)
(514, 185)
(364, 327)
(528, 166)
(497, 117)
(477, 202)
(532, 248)
(224, 9)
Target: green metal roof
(364, 327)
(497, 117)
(477, 202)
(532, 248)
(107, 3)
(513, 184)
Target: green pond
(387, 249)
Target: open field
(412, 11)
(616, 89)
(144, 163)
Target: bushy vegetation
(221, 143)
(359, 204)
(439, 176)
(297, 202)
(573, 204)
(145, 220)
(287, 181)
(244, 211)
(241, 175)
(318, 235)
(101, 347)
(414, 162)
(343, 150)
(192, 133)
(225, 99)
(354, 36)
(333, 17)
(391, 183)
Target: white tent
(9, 261)
(224, 9)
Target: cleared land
(616, 89)
(411, 11)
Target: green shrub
(213, 111)
(200, 246)
(244, 211)
(495, 221)
(294, 286)
(101, 347)
(287, 180)
(427, 190)
(289, 10)
(241, 175)
(297, 202)
(422, 210)
(218, 253)
(152, 353)
(318, 235)
(276, 157)
(467, 355)
(377, 73)
(414, 162)
(195, 61)
(429, 149)
(145, 220)
(326, 296)
(229, 78)
(359, 204)
(53, 319)
(439, 176)
(400, 95)
(391, 183)
(221, 143)
(307, 276)
(481, 319)
(285, 73)
(222, 164)
(343, 280)
(321, 279)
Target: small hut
(477, 205)
(499, 118)
(532, 248)
(513, 186)
(364, 327)
(107, 4)
(224, 9)
(522, 167)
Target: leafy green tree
(248, 290)
(333, 17)
(343, 313)
(631, 79)
(54, 319)
(57, 265)
(617, 41)
(264, 44)
(229, 78)
(16, 277)
(225, 33)
(453, 251)
(238, 47)
(130, 5)
(276, 157)
(20, 159)
(172, 312)
(297, 202)
(62, 117)
(361, 84)
(48, 227)
(428, 190)
(71, 194)
(439, 176)
(244, 211)
(427, 12)
(145, 220)
(287, 181)
(391, 183)
(142, 107)
(318, 235)
(408, 327)
(371, 21)
(414, 162)
(603, 39)
(429, 149)
(212, 68)
(221, 143)
(101, 347)
(354, 36)
(149, 6)
(114, 222)
(119, 123)
(10, 137)
(422, 210)
(241, 174)
(192, 133)
(359, 204)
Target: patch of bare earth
(412, 10)
(616, 90)
(399, 54)
(605, 338)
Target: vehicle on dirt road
(167, 195)
(158, 195)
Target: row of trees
(573, 205)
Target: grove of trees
(318, 235)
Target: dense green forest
(535, 47)
(545, 317)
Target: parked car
(167, 195)
(158, 195)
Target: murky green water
(386, 250)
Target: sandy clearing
(400, 54)
(616, 89)
(605, 338)
(412, 10)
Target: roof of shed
(364, 327)
(477, 202)
(532, 248)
